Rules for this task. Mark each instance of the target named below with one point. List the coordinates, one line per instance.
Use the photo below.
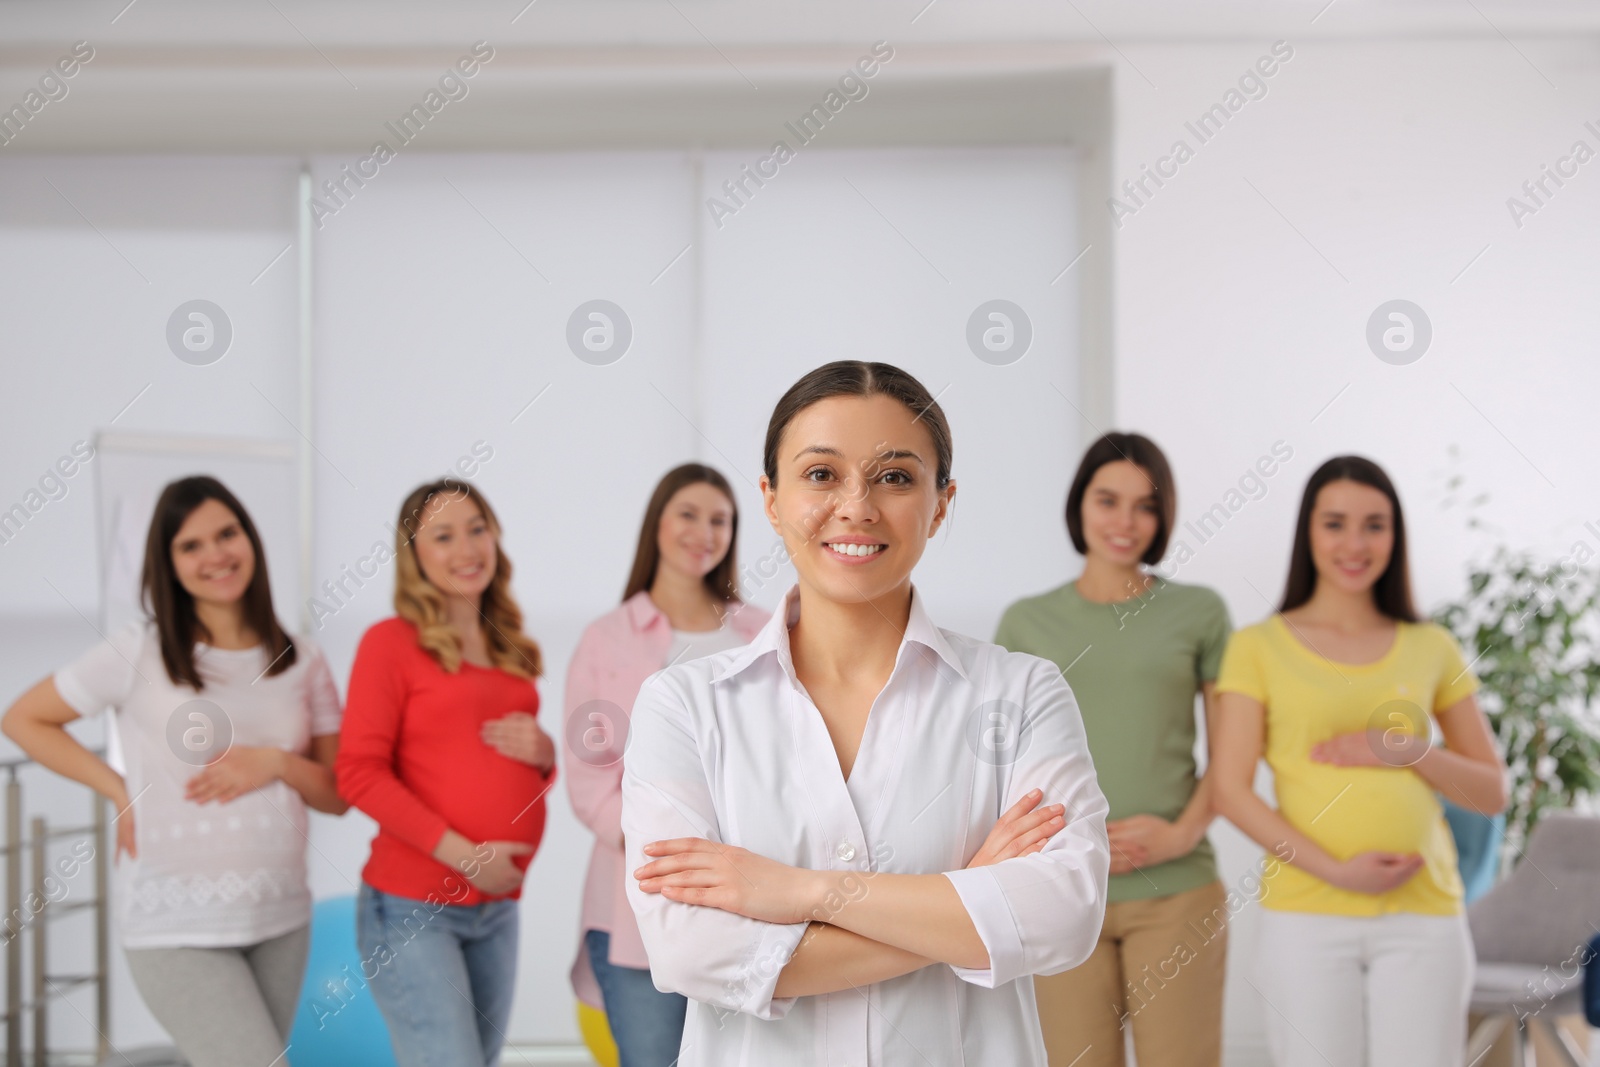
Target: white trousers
(1347, 991)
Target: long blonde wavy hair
(421, 603)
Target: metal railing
(33, 915)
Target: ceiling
(26, 25)
(309, 75)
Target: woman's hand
(1144, 841)
(1371, 748)
(488, 865)
(692, 870)
(697, 871)
(241, 769)
(1376, 872)
(126, 842)
(1021, 831)
(491, 869)
(517, 736)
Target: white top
(731, 748)
(214, 874)
(692, 644)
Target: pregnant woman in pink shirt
(681, 602)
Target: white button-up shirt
(732, 749)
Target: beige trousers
(1158, 970)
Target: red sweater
(411, 755)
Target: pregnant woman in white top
(803, 816)
(229, 729)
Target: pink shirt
(616, 653)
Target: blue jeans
(646, 1024)
(442, 974)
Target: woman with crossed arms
(836, 831)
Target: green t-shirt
(1135, 667)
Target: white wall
(87, 304)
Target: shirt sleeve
(104, 675)
(365, 767)
(595, 738)
(322, 695)
(1241, 670)
(1214, 639)
(721, 959)
(1041, 914)
(1456, 680)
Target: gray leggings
(225, 1007)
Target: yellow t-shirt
(1349, 810)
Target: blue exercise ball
(338, 1022)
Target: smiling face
(856, 500)
(212, 556)
(696, 529)
(456, 547)
(1352, 535)
(1121, 515)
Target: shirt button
(846, 851)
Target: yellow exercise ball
(597, 1035)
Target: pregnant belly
(1348, 810)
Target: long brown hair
(1391, 593)
(421, 603)
(1142, 453)
(852, 377)
(171, 606)
(723, 579)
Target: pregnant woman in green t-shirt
(1136, 648)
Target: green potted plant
(1531, 631)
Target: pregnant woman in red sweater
(440, 745)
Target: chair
(1531, 933)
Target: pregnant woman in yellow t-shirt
(1364, 952)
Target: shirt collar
(773, 638)
(642, 611)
